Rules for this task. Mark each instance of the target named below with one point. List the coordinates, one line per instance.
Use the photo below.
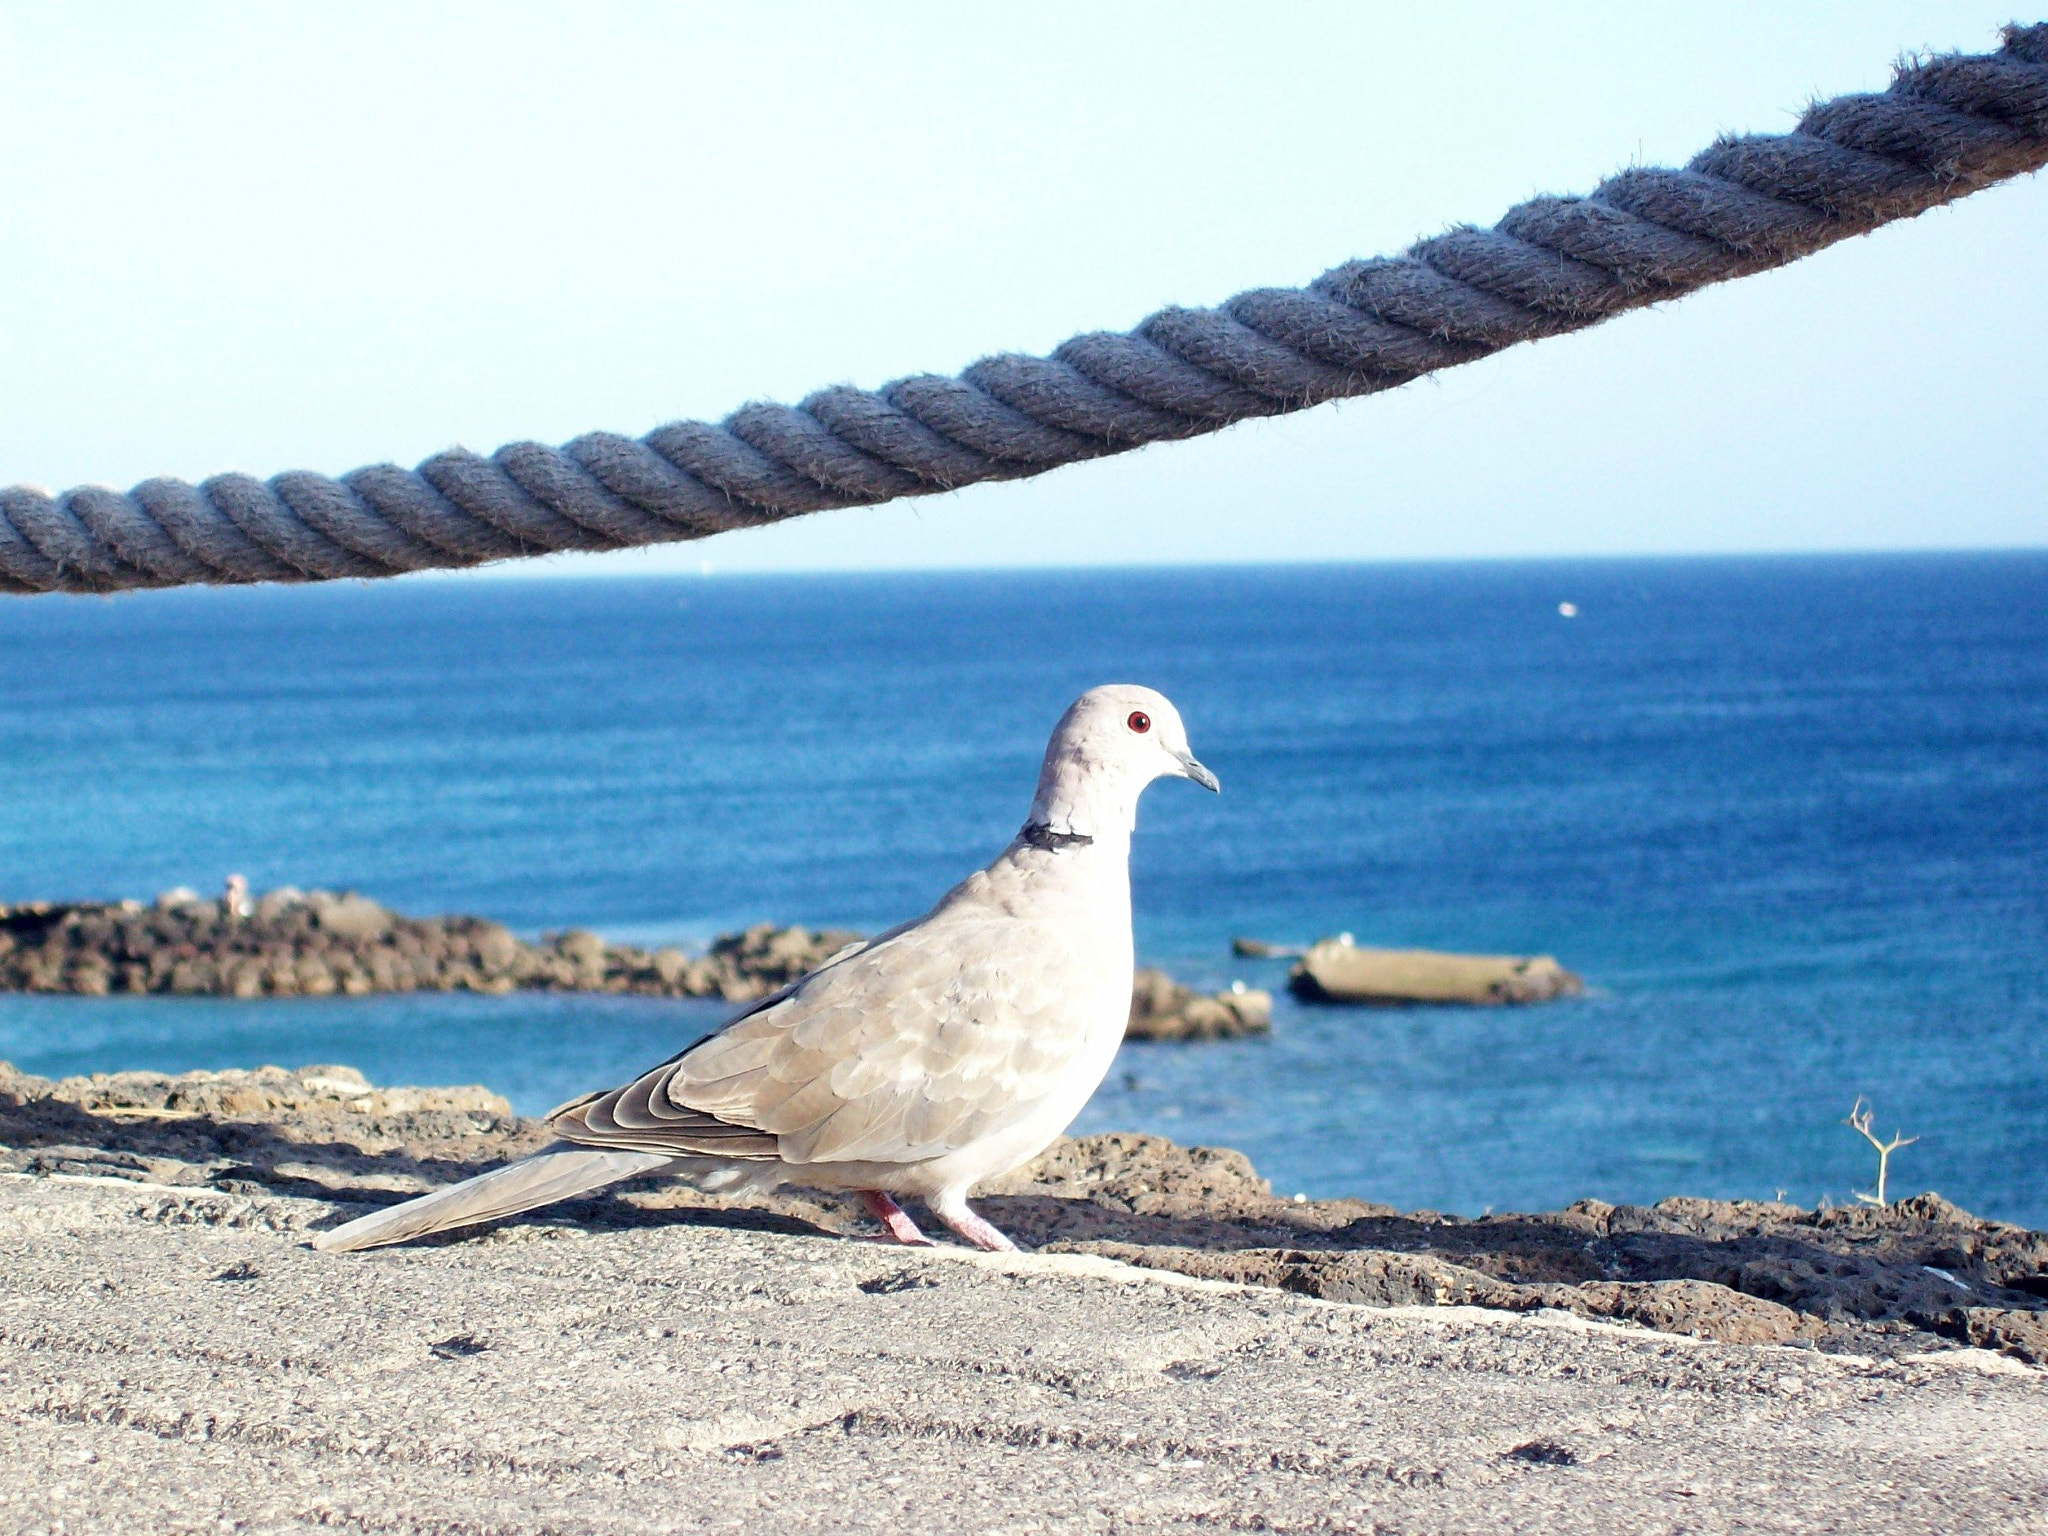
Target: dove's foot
(982, 1234)
(895, 1220)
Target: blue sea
(1785, 815)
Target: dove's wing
(925, 1041)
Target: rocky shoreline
(1185, 1351)
(1918, 1274)
(292, 943)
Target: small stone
(581, 946)
(352, 917)
(91, 978)
(272, 906)
(496, 949)
(313, 977)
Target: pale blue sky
(272, 237)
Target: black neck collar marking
(1039, 835)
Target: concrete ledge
(174, 1357)
(177, 1359)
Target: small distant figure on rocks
(234, 901)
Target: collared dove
(922, 1062)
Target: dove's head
(1108, 746)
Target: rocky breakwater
(1338, 971)
(292, 943)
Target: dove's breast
(1064, 959)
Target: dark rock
(1702, 1308)
(1543, 1453)
(313, 977)
(193, 976)
(349, 916)
(1163, 1009)
(2021, 1334)
(275, 906)
(581, 947)
(90, 978)
(496, 949)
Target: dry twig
(1859, 1120)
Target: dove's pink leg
(894, 1219)
(953, 1211)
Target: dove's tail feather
(539, 1180)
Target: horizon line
(537, 571)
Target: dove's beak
(1190, 769)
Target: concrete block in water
(1337, 971)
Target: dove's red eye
(1139, 721)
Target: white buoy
(1569, 610)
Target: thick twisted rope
(1946, 127)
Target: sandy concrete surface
(174, 1358)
